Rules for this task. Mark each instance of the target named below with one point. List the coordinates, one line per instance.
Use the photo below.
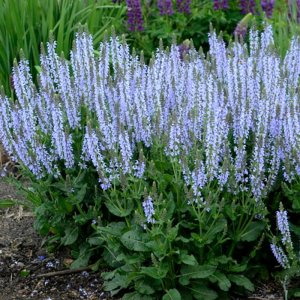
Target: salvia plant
(283, 249)
(160, 171)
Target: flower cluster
(206, 110)
(184, 6)
(149, 210)
(134, 14)
(165, 7)
(280, 256)
(284, 253)
(220, 4)
(283, 226)
(267, 6)
(247, 6)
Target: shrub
(162, 171)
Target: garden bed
(21, 252)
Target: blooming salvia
(117, 105)
(283, 225)
(149, 210)
(280, 256)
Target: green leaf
(184, 280)
(24, 273)
(136, 296)
(113, 228)
(293, 228)
(159, 247)
(71, 235)
(144, 289)
(172, 294)
(196, 272)
(158, 272)
(172, 233)
(117, 283)
(188, 259)
(238, 268)
(217, 227)
(119, 211)
(83, 258)
(296, 203)
(202, 292)
(135, 240)
(296, 294)
(253, 231)
(95, 241)
(242, 281)
(5, 203)
(221, 260)
(79, 195)
(170, 207)
(223, 282)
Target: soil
(25, 266)
(28, 272)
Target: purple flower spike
(184, 6)
(267, 6)
(242, 27)
(247, 6)
(241, 30)
(220, 4)
(165, 7)
(134, 14)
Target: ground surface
(24, 263)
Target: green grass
(24, 24)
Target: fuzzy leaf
(144, 289)
(116, 283)
(79, 195)
(202, 292)
(253, 231)
(172, 294)
(112, 228)
(216, 228)
(172, 233)
(188, 259)
(158, 272)
(71, 235)
(197, 272)
(118, 210)
(223, 282)
(238, 268)
(135, 240)
(83, 258)
(136, 296)
(241, 280)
